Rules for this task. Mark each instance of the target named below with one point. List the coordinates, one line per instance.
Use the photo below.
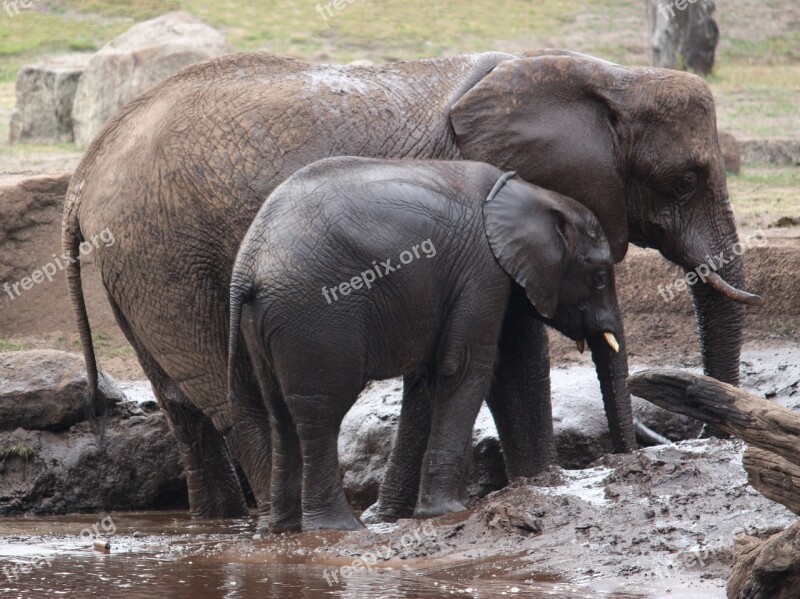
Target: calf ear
(528, 236)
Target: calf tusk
(581, 345)
(612, 341)
(719, 285)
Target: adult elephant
(178, 174)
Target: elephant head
(555, 249)
(639, 148)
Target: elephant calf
(358, 269)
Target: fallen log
(757, 421)
(766, 569)
(774, 477)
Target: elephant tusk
(611, 340)
(581, 345)
(718, 284)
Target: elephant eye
(686, 185)
(600, 280)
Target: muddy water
(167, 555)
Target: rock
(366, 438)
(45, 94)
(146, 54)
(360, 62)
(60, 470)
(682, 36)
(44, 390)
(731, 152)
(785, 152)
(138, 467)
(513, 519)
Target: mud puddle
(165, 554)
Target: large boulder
(731, 152)
(44, 390)
(45, 94)
(785, 152)
(146, 54)
(53, 462)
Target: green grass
(758, 101)
(12, 345)
(17, 450)
(381, 29)
(764, 191)
(105, 346)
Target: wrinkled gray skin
(179, 173)
(451, 255)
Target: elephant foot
(431, 508)
(262, 524)
(379, 512)
(279, 524)
(343, 521)
(217, 507)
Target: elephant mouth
(608, 337)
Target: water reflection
(175, 557)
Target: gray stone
(731, 152)
(785, 152)
(44, 390)
(54, 462)
(146, 54)
(45, 94)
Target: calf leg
(400, 485)
(455, 408)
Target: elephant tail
(71, 239)
(241, 293)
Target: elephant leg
(249, 439)
(457, 402)
(400, 485)
(214, 489)
(520, 395)
(318, 419)
(287, 465)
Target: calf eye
(600, 280)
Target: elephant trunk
(612, 372)
(719, 322)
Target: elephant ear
(558, 121)
(529, 238)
